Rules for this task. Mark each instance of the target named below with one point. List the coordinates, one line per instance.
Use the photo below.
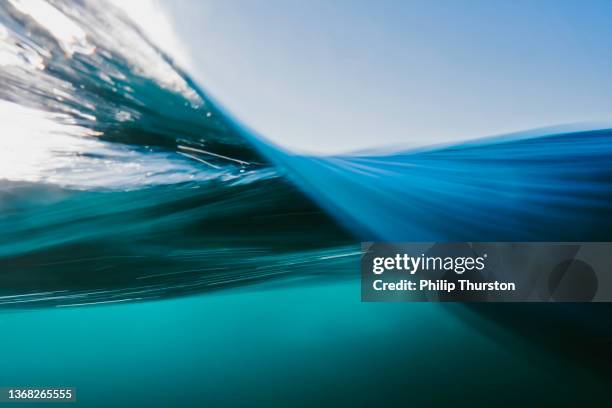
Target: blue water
(221, 265)
(296, 345)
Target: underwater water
(223, 265)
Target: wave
(121, 179)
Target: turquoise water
(278, 345)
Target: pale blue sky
(331, 75)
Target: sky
(328, 76)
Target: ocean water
(293, 344)
(153, 250)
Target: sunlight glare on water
(69, 35)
